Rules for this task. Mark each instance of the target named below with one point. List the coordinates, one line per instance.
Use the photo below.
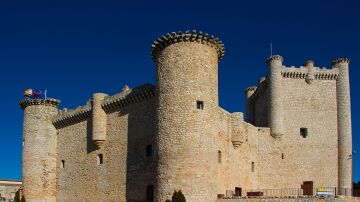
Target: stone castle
(145, 142)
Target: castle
(145, 142)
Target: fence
(290, 192)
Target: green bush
(17, 197)
(178, 196)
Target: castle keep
(145, 142)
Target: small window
(219, 156)
(100, 159)
(199, 104)
(150, 193)
(304, 132)
(62, 163)
(282, 155)
(149, 150)
(252, 167)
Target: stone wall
(235, 169)
(292, 159)
(126, 170)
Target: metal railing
(291, 192)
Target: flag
(28, 92)
(35, 94)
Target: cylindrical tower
(275, 117)
(39, 157)
(250, 105)
(98, 120)
(344, 126)
(187, 104)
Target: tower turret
(187, 104)
(275, 118)
(98, 120)
(344, 126)
(310, 76)
(39, 149)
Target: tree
(178, 196)
(17, 196)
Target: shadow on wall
(89, 143)
(140, 155)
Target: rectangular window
(62, 163)
(219, 156)
(304, 132)
(150, 193)
(149, 150)
(199, 104)
(252, 167)
(100, 159)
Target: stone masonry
(144, 143)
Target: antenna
(271, 52)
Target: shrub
(17, 196)
(178, 196)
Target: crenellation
(192, 36)
(67, 117)
(48, 102)
(302, 73)
(128, 96)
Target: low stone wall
(310, 199)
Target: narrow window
(304, 132)
(150, 193)
(282, 155)
(252, 166)
(100, 159)
(149, 150)
(62, 163)
(199, 104)
(219, 156)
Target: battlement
(341, 60)
(127, 97)
(301, 73)
(67, 117)
(47, 102)
(274, 58)
(110, 104)
(251, 88)
(194, 36)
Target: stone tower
(39, 149)
(187, 104)
(344, 126)
(275, 119)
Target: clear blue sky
(74, 48)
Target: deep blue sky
(74, 48)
